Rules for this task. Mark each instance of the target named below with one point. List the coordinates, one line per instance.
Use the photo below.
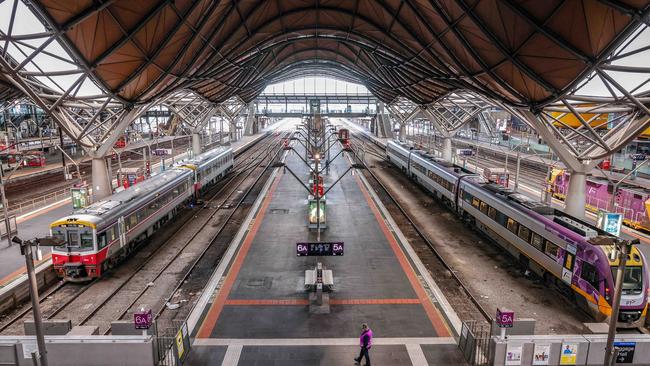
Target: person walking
(365, 342)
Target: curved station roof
(524, 53)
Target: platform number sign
(142, 319)
(505, 318)
(319, 249)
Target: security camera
(16, 240)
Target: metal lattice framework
(451, 112)
(96, 66)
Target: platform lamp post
(26, 250)
(316, 194)
(622, 248)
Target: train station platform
(256, 309)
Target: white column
(447, 152)
(101, 181)
(196, 143)
(402, 132)
(576, 195)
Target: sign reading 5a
(319, 249)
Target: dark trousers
(362, 353)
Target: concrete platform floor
(260, 312)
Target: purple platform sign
(505, 318)
(142, 319)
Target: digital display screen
(319, 249)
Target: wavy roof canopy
(525, 53)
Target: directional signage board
(319, 249)
(465, 152)
(161, 152)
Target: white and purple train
(565, 251)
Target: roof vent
(576, 227)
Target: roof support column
(196, 143)
(447, 151)
(576, 194)
(102, 187)
(384, 123)
(251, 119)
(402, 132)
(198, 127)
(101, 179)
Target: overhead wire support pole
(612, 199)
(622, 248)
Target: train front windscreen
(78, 238)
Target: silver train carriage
(569, 253)
(101, 235)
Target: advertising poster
(625, 351)
(569, 354)
(513, 354)
(541, 353)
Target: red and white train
(106, 232)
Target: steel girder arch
(42, 67)
(603, 113)
(451, 112)
(403, 111)
(193, 110)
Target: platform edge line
(448, 312)
(233, 353)
(218, 274)
(415, 354)
(278, 342)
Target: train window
(111, 233)
(512, 225)
(551, 250)
(538, 242)
(58, 233)
(484, 207)
(590, 274)
(492, 213)
(501, 218)
(86, 239)
(524, 233)
(131, 221)
(101, 240)
(476, 202)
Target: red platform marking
(432, 312)
(302, 302)
(217, 306)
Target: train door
(122, 228)
(568, 264)
(73, 238)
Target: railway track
(458, 294)
(570, 304)
(95, 303)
